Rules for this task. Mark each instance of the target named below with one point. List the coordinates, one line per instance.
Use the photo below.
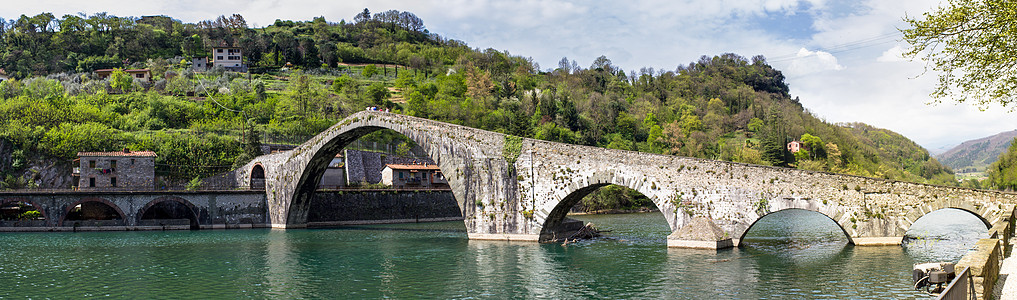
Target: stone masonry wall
(532, 196)
(131, 172)
(210, 208)
(350, 207)
(366, 166)
(735, 195)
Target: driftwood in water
(584, 233)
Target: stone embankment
(987, 271)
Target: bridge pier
(504, 237)
(877, 241)
(700, 233)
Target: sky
(841, 57)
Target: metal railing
(961, 288)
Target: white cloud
(895, 54)
(809, 62)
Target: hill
(310, 74)
(975, 155)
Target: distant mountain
(941, 149)
(975, 155)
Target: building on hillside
(143, 75)
(122, 170)
(229, 57)
(795, 146)
(199, 64)
(335, 174)
(424, 176)
(3, 75)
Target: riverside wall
(331, 208)
(226, 209)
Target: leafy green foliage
(194, 184)
(121, 81)
(718, 107)
(369, 71)
(970, 44)
(614, 197)
(511, 150)
(30, 215)
(1003, 173)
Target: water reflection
(280, 266)
(944, 235)
(784, 256)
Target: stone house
(143, 75)
(199, 64)
(425, 176)
(123, 170)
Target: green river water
(788, 255)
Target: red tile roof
(413, 167)
(119, 153)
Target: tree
(369, 71)
(970, 43)
(1003, 173)
(343, 83)
(814, 145)
(378, 93)
(121, 81)
(305, 92)
(774, 140)
(363, 16)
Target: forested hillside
(309, 74)
(975, 155)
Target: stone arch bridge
(512, 188)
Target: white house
(231, 58)
(413, 176)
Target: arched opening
(372, 175)
(169, 212)
(258, 177)
(622, 210)
(93, 212)
(794, 229)
(944, 235)
(21, 213)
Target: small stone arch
(193, 217)
(67, 210)
(552, 224)
(257, 179)
(23, 200)
(847, 235)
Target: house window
(218, 57)
(400, 175)
(113, 164)
(91, 182)
(139, 75)
(218, 51)
(113, 181)
(91, 164)
(132, 161)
